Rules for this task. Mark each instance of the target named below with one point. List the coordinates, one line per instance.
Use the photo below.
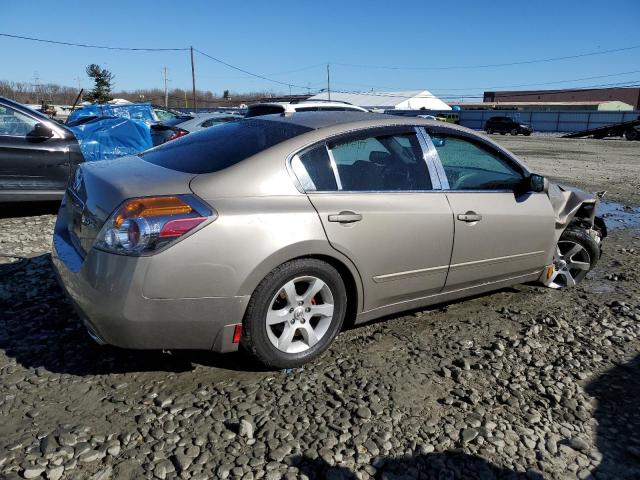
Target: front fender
(570, 204)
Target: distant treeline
(51, 93)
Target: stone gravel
(525, 382)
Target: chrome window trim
(430, 154)
(334, 167)
(384, 192)
(300, 173)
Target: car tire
(514, 131)
(285, 339)
(489, 130)
(526, 134)
(576, 254)
(631, 134)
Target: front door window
(14, 123)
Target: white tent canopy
(409, 100)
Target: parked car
(504, 125)
(453, 117)
(37, 154)
(206, 120)
(268, 108)
(270, 231)
(632, 133)
(167, 130)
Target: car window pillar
(436, 171)
(334, 167)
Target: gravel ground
(522, 383)
(594, 165)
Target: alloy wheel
(299, 314)
(571, 263)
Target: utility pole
(328, 83)
(166, 89)
(36, 86)
(193, 82)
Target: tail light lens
(144, 225)
(177, 133)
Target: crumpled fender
(567, 202)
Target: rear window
(217, 148)
(258, 110)
(325, 109)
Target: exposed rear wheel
(576, 254)
(631, 134)
(295, 313)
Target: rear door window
(214, 149)
(381, 162)
(314, 170)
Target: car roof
(322, 119)
(293, 106)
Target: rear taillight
(177, 133)
(144, 225)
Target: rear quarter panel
(230, 256)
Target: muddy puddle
(618, 216)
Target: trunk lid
(98, 188)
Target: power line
(544, 83)
(289, 84)
(437, 89)
(83, 45)
(491, 65)
(247, 72)
(629, 83)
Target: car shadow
(28, 209)
(449, 465)
(39, 328)
(617, 392)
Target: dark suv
(504, 125)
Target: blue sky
(291, 41)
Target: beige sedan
(270, 231)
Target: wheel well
(349, 284)
(583, 216)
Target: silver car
(270, 232)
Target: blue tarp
(133, 111)
(112, 137)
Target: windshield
(217, 148)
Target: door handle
(345, 217)
(469, 217)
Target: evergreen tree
(103, 79)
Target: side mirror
(40, 130)
(537, 183)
